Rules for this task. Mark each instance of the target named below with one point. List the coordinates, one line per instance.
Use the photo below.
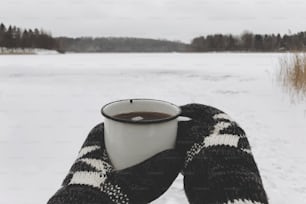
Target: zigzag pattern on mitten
(226, 132)
(219, 165)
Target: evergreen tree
(2, 35)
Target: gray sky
(167, 19)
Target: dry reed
(292, 74)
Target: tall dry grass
(292, 74)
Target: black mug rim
(140, 121)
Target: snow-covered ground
(48, 104)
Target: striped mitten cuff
(219, 165)
(92, 179)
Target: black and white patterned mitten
(92, 180)
(219, 165)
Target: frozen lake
(48, 104)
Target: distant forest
(119, 44)
(12, 37)
(250, 42)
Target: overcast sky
(167, 19)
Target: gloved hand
(219, 166)
(92, 180)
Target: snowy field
(48, 104)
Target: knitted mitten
(92, 180)
(219, 166)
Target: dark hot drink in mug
(145, 116)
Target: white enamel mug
(130, 142)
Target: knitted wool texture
(219, 165)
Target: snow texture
(49, 103)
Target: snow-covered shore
(25, 51)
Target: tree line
(14, 37)
(248, 41)
(119, 44)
